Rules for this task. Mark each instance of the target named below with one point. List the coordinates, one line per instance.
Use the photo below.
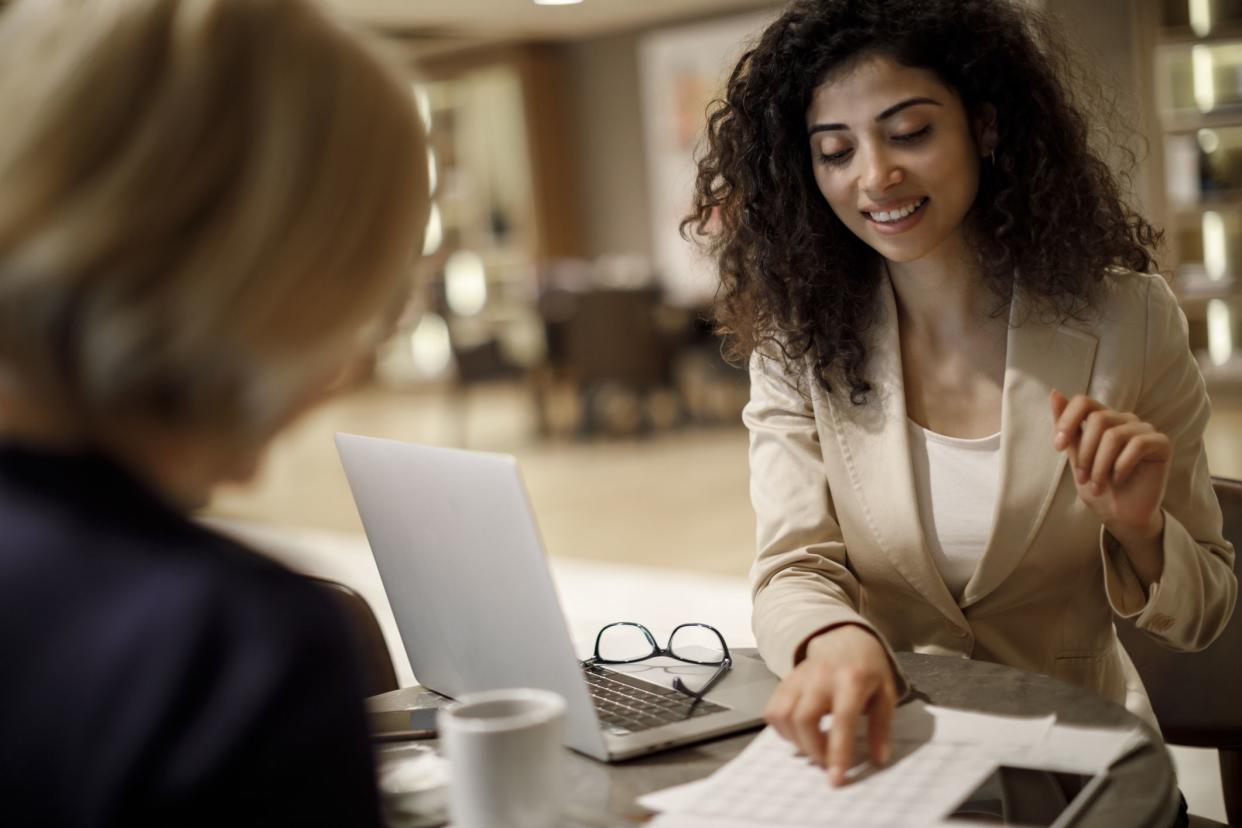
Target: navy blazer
(155, 673)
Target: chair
(377, 666)
(1196, 695)
(615, 350)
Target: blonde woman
(205, 207)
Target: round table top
(1141, 791)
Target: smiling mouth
(893, 216)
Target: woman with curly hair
(975, 422)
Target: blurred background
(559, 316)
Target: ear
(985, 128)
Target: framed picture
(681, 70)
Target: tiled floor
(677, 499)
(688, 487)
(630, 523)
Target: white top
(957, 485)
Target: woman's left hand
(1120, 464)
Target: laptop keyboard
(629, 705)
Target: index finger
(808, 713)
(846, 710)
(1059, 401)
(1074, 413)
(880, 725)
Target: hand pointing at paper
(1121, 468)
(847, 673)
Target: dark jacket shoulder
(168, 674)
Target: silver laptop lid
(458, 551)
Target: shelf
(1198, 291)
(1185, 36)
(1229, 373)
(1190, 215)
(1203, 173)
(1216, 200)
(1190, 121)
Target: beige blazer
(839, 535)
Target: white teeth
(885, 217)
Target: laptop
(461, 559)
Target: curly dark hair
(1049, 218)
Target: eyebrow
(883, 116)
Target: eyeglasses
(627, 642)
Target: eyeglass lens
(697, 643)
(626, 642)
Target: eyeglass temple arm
(698, 695)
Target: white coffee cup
(505, 754)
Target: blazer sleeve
(800, 581)
(1189, 606)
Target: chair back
(613, 336)
(1196, 696)
(378, 672)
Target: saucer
(413, 785)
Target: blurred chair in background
(612, 345)
(1196, 696)
(476, 346)
(618, 358)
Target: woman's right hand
(847, 673)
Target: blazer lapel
(1040, 357)
(875, 446)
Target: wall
(604, 118)
(1106, 33)
(606, 138)
(606, 130)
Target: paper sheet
(939, 756)
(1085, 749)
(676, 798)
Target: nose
(879, 172)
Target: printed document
(939, 755)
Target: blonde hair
(203, 205)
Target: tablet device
(1028, 797)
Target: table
(1142, 789)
